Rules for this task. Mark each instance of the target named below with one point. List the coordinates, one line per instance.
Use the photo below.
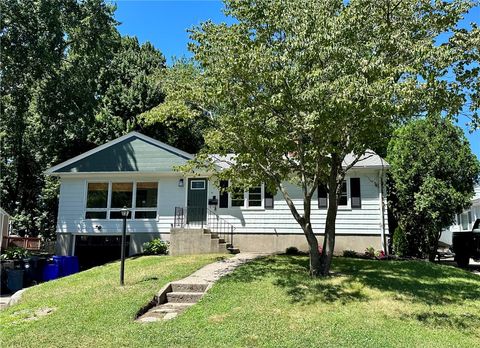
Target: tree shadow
(413, 281)
(291, 274)
(434, 319)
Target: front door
(197, 200)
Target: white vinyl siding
(276, 220)
(364, 220)
(72, 206)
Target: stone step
(222, 247)
(189, 287)
(221, 240)
(154, 315)
(171, 307)
(184, 297)
(150, 317)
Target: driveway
(473, 267)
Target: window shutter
(322, 196)
(355, 192)
(268, 199)
(223, 194)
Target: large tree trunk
(305, 223)
(329, 240)
(314, 253)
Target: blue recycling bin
(71, 265)
(61, 262)
(50, 272)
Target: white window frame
(349, 198)
(203, 181)
(133, 209)
(245, 199)
(85, 200)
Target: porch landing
(192, 241)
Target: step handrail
(208, 219)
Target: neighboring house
(139, 172)
(4, 227)
(465, 220)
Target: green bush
(370, 252)
(155, 247)
(400, 243)
(292, 251)
(15, 253)
(349, 253)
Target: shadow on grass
(418, 281)
(434, 319)
(291, 274)
(413, 281)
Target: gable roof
(133, 152)
(369, 160)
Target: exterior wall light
(180, 183)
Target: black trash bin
(33, 270)
(15, 279)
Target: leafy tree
(295, 86)
(130, 84)
(52, 52)
(70, 82)
(433, 175)
(182, 118)
(467, 70)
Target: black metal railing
(201, 217)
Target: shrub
(400, 243)
(292, 251)
(349, 253)
(155, 247)
(370, 252)
(15, 253)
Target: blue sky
(165, 24)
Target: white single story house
(465, 220)
(138, 172)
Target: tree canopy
(293, 87)
(433, 173)
(70, 82)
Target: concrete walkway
(177, 296)
(11, 299)
(4, 301)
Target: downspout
(382, 210)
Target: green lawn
(269, 303)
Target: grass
(90, 309)
(270, 302)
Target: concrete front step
(184, 297)
(171, 307)
(189, 287)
